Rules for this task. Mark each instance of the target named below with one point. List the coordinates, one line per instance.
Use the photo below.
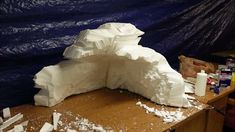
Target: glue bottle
(200, 86)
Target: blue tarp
(34, 33)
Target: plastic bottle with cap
(200, 86)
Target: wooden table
(114, 109)
(215, 119)
(212, 97)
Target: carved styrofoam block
(111, 57)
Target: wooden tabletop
(211, 96)
(115, 109)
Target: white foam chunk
(98, 128)
(190, 97)
(110, 56)
(47, 127)
(168, 120)
(1, 120)
(189, 88)
(18, 128)
(11, 120)
(25, 123)
(71, 130)
(56, 117)
(6, 112)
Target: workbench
(115, 109)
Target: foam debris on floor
(11, 120)
(67, 122)
(167, 116)
(74, 123)
(8, 121)
(195, 104)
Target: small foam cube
(6, 112)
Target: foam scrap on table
(80, 123)
(169, 116)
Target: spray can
(232, 84)
(225, 77)
(200, 86)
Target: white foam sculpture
(110, 56)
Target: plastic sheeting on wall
(34, 33)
